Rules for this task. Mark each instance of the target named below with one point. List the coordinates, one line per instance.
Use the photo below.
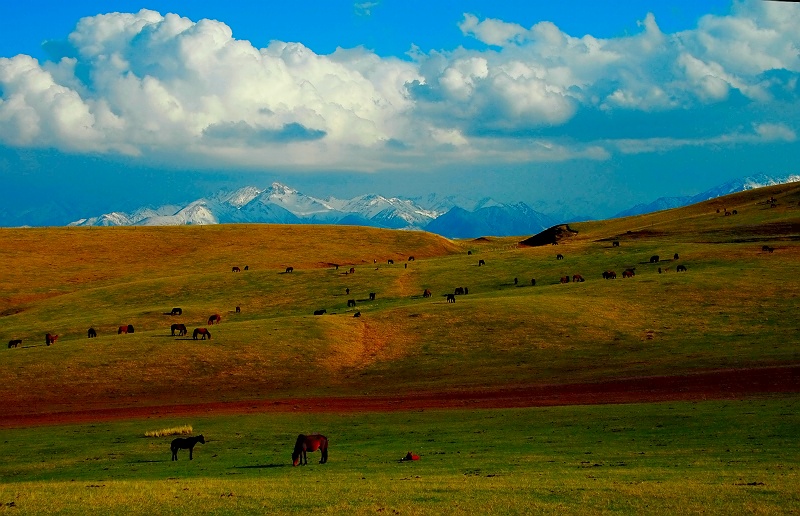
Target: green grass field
(735, 307)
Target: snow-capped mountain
(729, 187)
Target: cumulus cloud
(146, 83)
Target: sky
(110, 105)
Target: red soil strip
(723, 384)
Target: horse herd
(302, 446)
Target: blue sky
(572, 102)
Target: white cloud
(145, 83)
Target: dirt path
(723, 384)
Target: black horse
(176, 311)
(92, 333)
(185, 443)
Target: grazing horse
(214, 319)
(451, 298)
(577, 277)
(615, 243)
(50, 339)
(410, 258)
(13, 343)
(609, 275)
(481, 262)
(92, 333)
(357, 314)
(654, 258)
(289, 269)
(130, 328)
(201, 331)
(352, 270)
(564, 279)
(185, 443)
(427, 293)
(351, 302)
(236, 269)
(176, 311)
(247, 267)
(680, 268)
(459, 291)
(559, 257)
(390, 262)
(309, 443)
(320, 312)
(122, 329)
(180, 328)
(372, 296)
(628, 273)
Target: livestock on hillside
(615, 243)
(289, 269)
(236, 269)
(214, 319)
(680, 268)
(427, 293)
(309, 443)
(185, 443)
(451, 298)
(176, 311)
(564, 279)
(351, 302)
(577, 278)
(91, 333)
(13, 343)
(654, 258)
(203, 332)
(180, 328)
(320, 312)
(459, 291)
(50, 338)
(372, 296)
(481, 262)
(559, 257)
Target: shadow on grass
(262, 466)
(147, 461)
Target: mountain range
(450, 216)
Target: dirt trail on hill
(709, 385)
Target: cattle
(481, 262)
(770, 249)
(92, 333)
(236, 269)
(577, 278)
(615, 243)
(680, 268)
(765, 248)
(13, 343)
(654, 258)
(427, 293)
(320, 312)
(372, 296)
(390, 262)
(176, 311)
(351, 302)
(459, 291)
(289, 269)
(451, 298)
(559, 257)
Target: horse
(130, 328)
(289, 269)
(564, 279)
(628, 273)
(236, 269)
(347, 291)
(122, 329)
(654, 258)
(372, 296)
(357, 314)
(410, 258)
(459, 291)
(352, 270)
(185, 443)
(320, 312)
(181, 328)
(609, 275)
(309, 443)
(351, 302)
(50, 339)
(13, 343)
(451, 298)
(516, 281)
(390, 262)
(675, 256)
(92, 333)
(247, 267)
(559, 257)
(615, 243)
(577, 277)
(469, 253)
(466, 291)
(533, 282)
(214, 319)
(201, 331)
(765, 248)
(427, 293)
(680, 268)
(176, 311)
(238, 310)
(481, 262)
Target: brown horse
(577, 277)
(289, 269)
(309, 443)
(427, 293)
(125, 329)
(564, 279)
(180, 328)
(214, 319)
(609, 275)
(236, 269)
(13, 343)
(201, 331)
(628, 273)
(50, 339)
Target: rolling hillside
(732, 309)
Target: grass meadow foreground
(734, 309)
(723, 457)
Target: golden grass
(175, 430)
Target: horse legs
(174, 454)
(191, 449)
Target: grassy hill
(735, 307)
